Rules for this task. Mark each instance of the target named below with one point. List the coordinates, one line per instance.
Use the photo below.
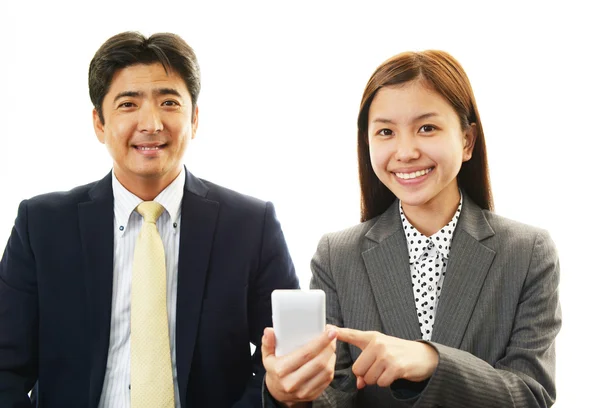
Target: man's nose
(149, 120)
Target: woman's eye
(385, 132)
(427, 128)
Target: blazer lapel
(97, 238)
(198, 223)
(388, 268)
(468, 266)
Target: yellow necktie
(151, 370)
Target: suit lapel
(388, 268)
(468, 265)
(198, 223)
(97, 238)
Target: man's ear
(98, 126)
(470, 137)
(195, 122)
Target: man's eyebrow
(129, 94)
(137, 94)
(167, 91)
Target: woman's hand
(303, 374)
(385, 359)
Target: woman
(437, 300)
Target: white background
(281, 86)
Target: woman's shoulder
(516, 235)
(349, 237)
(487, 225)
(507, 226)
(350, 234)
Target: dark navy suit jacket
(56, 279)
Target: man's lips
(150, 149)
(146, 147)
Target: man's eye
(385, 132)
(170, 103)
(126, 105)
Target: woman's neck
(430, 217)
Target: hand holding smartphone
(298, 317)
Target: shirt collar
(419, 244)
(126, 202)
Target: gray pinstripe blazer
(497, 319)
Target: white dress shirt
(428, 261)
(127, 226)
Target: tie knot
(150, 210)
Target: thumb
(360, 382)
(268, 343)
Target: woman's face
(417, 145)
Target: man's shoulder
(229, 198)
(62, 199)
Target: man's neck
(146, 188)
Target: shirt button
(430, 288)
(430, 245)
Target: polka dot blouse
(428, 260)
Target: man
(144, 288)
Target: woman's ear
(469, 139)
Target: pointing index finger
(357, 338)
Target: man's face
(148, 123)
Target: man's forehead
(146, 79)
(145, 72)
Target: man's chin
(148, 173)
(157, 172)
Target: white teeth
(415, 174)
(148, 148)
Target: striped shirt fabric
(127, 226)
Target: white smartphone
(298, 317)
